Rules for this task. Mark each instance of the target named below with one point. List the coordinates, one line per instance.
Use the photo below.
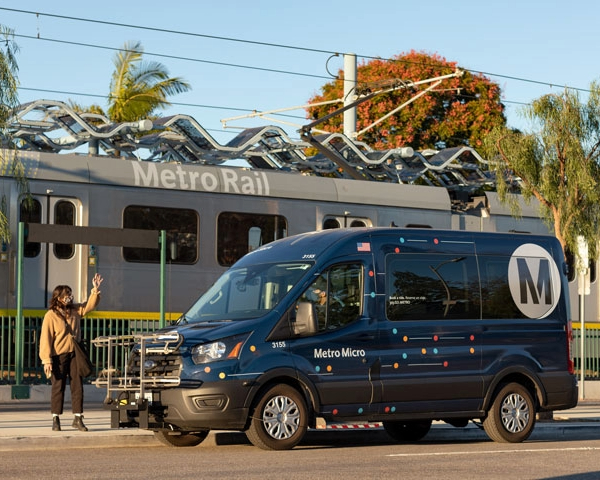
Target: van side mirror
(306, 319)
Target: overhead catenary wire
(219, 63)
(265, 44)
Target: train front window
(247, 292)
(181, 226)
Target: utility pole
(583, 288)
(350, 94)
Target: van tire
(183, 440)
(511, 417)
(407, 431)
(279, 420)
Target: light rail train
(213, 213)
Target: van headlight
(224, 349)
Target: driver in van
(317, 296)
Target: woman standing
(60, 328)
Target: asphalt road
(327, 455)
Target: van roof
(312, 246)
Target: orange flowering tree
(460, 111)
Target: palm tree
(139, 88)
(8, 75)
(8, 101)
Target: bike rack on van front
(128, 391)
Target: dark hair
(59, 292)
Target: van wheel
(279, 419)
(176, 439)
(511, 417)
(411, 431)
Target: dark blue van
(398, 326)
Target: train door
(47, 265)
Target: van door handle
(366, 337)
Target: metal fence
(92, 327)
(97, 325)
(591, 350)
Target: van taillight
(570, 364)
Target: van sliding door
(432, 336)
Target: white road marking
(487, 452)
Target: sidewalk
(28, 426)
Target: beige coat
(55, 338)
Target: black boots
(78, 423)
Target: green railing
(100, 324)
(591, 351)
(93, 326)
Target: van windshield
(246, 292)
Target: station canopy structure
(55, 127)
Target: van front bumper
(214, 407)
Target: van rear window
(497, 302)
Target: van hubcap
(515, 413)
(281, 417)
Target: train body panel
(223, 206)
(217, 203)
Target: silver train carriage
(212, 215)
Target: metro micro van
(398, 326)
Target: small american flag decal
(363, 247)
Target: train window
(572, 270)
(571, 260)
(344, 221)
(240, 233)
(64, 214)
(180, 224)
(31, 212)
(331, 223)
(357, 223)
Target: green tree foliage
(461, 111)
(8, 75)
(8, 101)
(558, 164)
(138, 88)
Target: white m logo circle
(534, 280)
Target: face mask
(67, 300)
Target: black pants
(65, 367)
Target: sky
(242, 56)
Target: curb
(331, 436)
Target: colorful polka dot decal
(429, 351)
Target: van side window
(496, 299)
(432, 287)
(336, 296)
